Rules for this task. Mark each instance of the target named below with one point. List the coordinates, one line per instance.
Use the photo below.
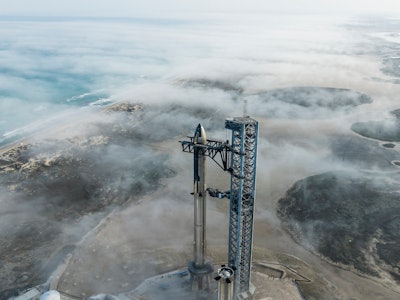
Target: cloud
(138, 8)
(182, 72)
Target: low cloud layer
(129, 8)
(58, 74)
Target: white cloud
(138, 8)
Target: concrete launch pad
(270, 282)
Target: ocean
(322, 88)
(52, 68)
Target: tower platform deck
(270, 282)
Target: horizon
(125, 8)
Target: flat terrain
(116, 202)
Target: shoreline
(23, 142)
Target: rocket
(200, 269)
(199, 195)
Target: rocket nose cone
(200, 135)
(203, 135)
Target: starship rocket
(199, 269)
(199, 194)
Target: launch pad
(232, 281)
(272, 281)
(242, 167)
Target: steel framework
(242, 167)
(213, 149)
(242, 196)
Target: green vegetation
(391, 66)
(339, 213)
(313, 97)
(388, 130)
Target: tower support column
(242, 196)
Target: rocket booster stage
(199, 193)
(199, 269)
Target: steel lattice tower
(242, 195)
(242, 167)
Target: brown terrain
(103, 211)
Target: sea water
(52, 67)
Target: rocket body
(199, 195)
(200, 270)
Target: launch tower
(242, 196)
(242, 167)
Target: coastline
(23, 142)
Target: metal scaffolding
(242, 196)
(242, 167)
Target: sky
(126, 8)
